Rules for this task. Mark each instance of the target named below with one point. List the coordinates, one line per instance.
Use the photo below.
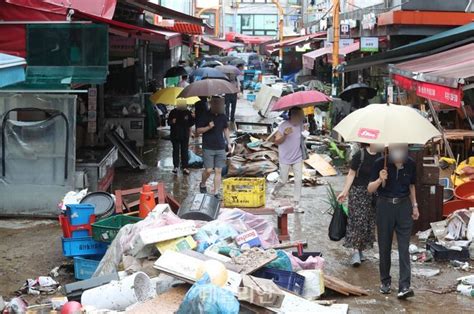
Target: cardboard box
(249, 238)
(261, 292)
(177, 245)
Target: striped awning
(186, 28)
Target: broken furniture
(98, 167)
(123, 202)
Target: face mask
(397, 154)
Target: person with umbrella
(360, 232)
(290, 153)
(215, 139)
(393, 178)
(397, 208)
(180, 121)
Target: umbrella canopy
(227, 59)
(211, 64)
(229, 69)
(386, 124)
(208, 73)
(209, 87)
(176, 71)
(237, 62)
(352, 90)
(169, 96)
(300, 99)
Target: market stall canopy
(300, 40)
(221, 44)
(247, 39)
(447, 68)
(381, 124)
(308, 58)
(433, 44)
(12, 70)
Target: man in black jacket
(180, 121)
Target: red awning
(222, 44)
(186, 28)
(445, 68)
(102, 8)
(247, 39)
(129, 30)
(443, 94)
(295, 41)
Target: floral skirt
(360, 232)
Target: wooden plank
(334, 283)
(318, 163)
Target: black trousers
(180, 149)
(230, 106)
(394, 218)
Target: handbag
(337, 227)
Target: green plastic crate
(106, 229)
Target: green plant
(333, 202)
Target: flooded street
(32, 248)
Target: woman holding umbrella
(360, 232)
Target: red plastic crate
(68, 229)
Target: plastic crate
(83, 246)
(84, 267)
(244, 192)
(77, 220)
(285, 279)
(106, 230)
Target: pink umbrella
(300, 99)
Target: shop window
(67, 53)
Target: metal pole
(223, 18)
(335, 46)
(281, 16)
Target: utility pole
(223, 4)
(281, 17)
(335, 46)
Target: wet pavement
(33, 248)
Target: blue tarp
(12, 69)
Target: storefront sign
(345, 31)
(442, 94)
(369, 21)
(342, 43)
(369, 44)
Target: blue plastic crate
(84, 267)
(79, 214)
(285, 279)
(83, 246)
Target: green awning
(430, 45)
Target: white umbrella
(386, 124)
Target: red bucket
(465, 191)
(452, 206)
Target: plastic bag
(195, 161)
(213, 232)
(337, 227)
(312, 262)
(282, 262)
(204, 297)
(470, 229)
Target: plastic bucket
(118, 295)
(452, 206)
(465, 191)
(103, 202)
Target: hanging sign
(443, 94)
(345, 31)
(369, 44)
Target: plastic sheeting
(36, 170)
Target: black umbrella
(211, 64)
(237, 62)
(176, 71)
(353, 90)
(208, 73)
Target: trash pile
(223, 265)
(255, 155)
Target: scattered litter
(425, 272)
(424, 235)
(366, 301)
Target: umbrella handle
(385, 157)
